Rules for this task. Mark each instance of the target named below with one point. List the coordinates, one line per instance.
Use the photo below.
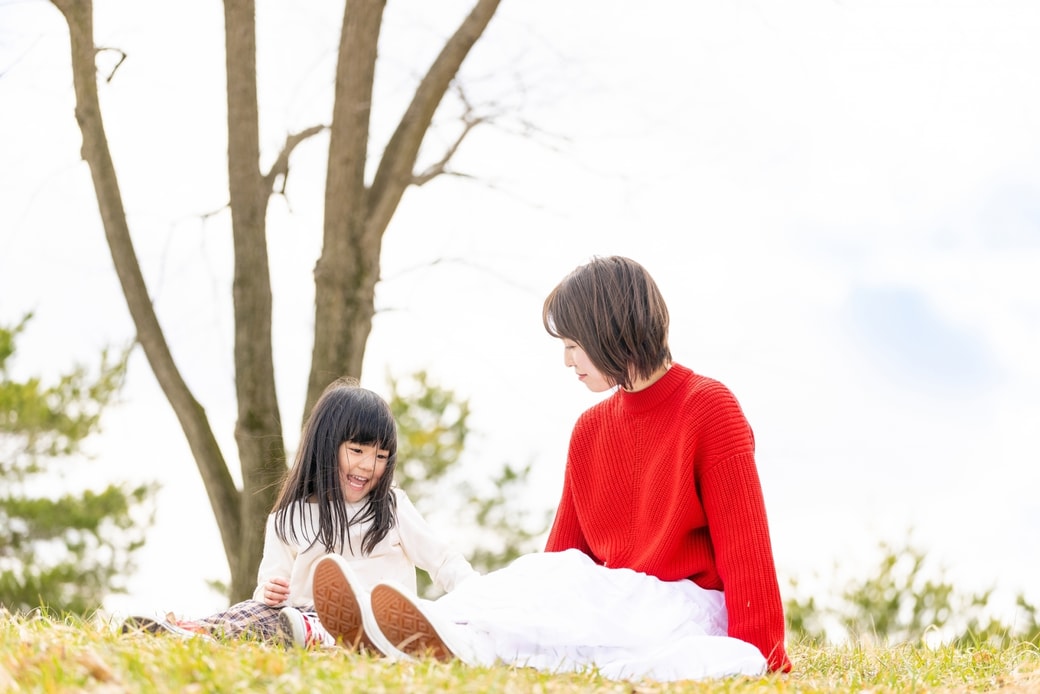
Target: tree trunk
(223, 495)
(258, 430)
(345, 275)
(356, 217)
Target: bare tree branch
(395, 170)
(122, 58)
(469, 121)
(280, 167)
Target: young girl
(338, 499)
(659, 562)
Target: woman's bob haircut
(612, 308)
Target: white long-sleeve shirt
(410, 543)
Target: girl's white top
(410, 543)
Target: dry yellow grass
(38, 654)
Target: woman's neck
(644, 383)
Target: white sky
(839, 200)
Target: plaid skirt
(249, 619)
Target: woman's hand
(276, 591)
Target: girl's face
(574, 356)
(360, 467)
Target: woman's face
(360, 467)
(574, 356)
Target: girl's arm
(427, 550)
(276, 565)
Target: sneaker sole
(290, 630)
(406, 627)
(338, 608)
(147, 625)
(138, 624)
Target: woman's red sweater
(663, 481)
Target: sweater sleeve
(424, 548)
(566, 531)
(734, 504)
(277, 561)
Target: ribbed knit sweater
(663, 481)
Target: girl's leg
(248, 619)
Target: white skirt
(561, 612)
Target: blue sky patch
(897, 327)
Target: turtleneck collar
(653, 395)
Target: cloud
(914, 344)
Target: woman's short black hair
(612, 308)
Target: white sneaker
(406, 623)
(304, 629)
(168, 625)
(342, 604)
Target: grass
(38, 654)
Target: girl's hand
(276, 591)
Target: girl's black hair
(344, 412)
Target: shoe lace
(311, 638)
(187, 624)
